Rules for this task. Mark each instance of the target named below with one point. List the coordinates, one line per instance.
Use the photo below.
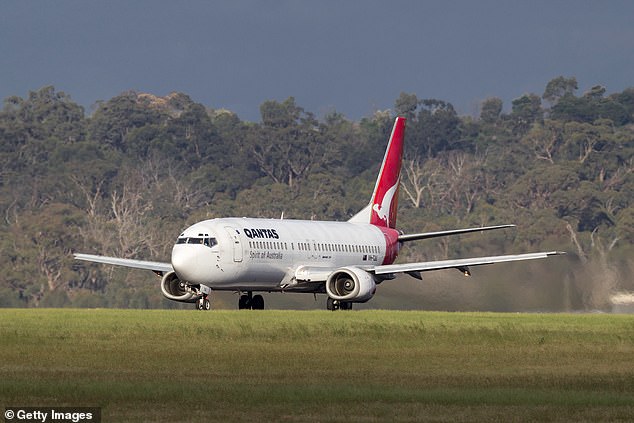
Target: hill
(126, 179)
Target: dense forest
(126, 178)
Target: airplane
(344, 260)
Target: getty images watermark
(52, 414)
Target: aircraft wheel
(257, 303)
(207, 304)
(200, 304)
(243, 302)
(331, 304)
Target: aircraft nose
(191, 263)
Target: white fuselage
(268, 254)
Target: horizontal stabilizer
(426, 235)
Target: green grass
(292, 366)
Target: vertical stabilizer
(384, 203)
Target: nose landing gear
(203, 303)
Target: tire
(243, 302)
(257, 303)
(330, 304)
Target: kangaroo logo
(383, 210)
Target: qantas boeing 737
(344, 260)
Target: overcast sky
(354, 57)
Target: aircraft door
(237, 245)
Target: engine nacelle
(175, 289)
(350, 284)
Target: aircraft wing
(426, 235)
(414, 269)
(155, 266)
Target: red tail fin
(384, 203)
(385, 195)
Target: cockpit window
(207, 241)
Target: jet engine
(175, 289)
(350, 284)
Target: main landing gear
(203, 303)
(338, 305)
(249, 301)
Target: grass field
(367, 366)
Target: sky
(353, 57)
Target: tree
(594, 105)
(537, 188)
(559, 87)
(406, 105)
(626, 100)
(195, 137)
(113, 120)
(595, 93)
(583, 139)
(625, 225)
(366, 146)
(525, 111)
(47, 113)
(546, 140)
(30, 127)
(414, 182)
(490, 110)
(282, 115)
(36, 259)
(288, 143)
(574, 108)
(437, 128)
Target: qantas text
(261, 233)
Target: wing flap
(155, 266)
(459, 263)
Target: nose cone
(192, 263)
